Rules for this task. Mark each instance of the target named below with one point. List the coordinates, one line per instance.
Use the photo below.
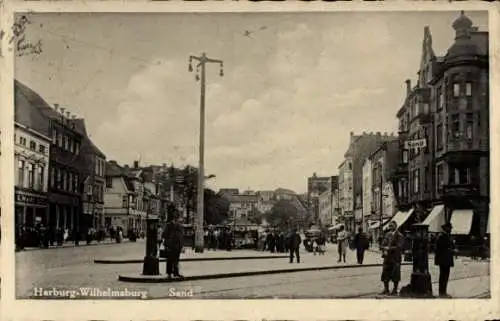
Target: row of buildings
(246, 207)
(436, 168)
(62, 179)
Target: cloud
(271, 120)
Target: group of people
(43, 236)
(392, 247)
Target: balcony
(460, 190)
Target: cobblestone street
(73, 268)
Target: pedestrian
(342, 239)
(173, 237)
(295, 241)
(445, 249)
(361, 243)
(320, 242)
(392, 245)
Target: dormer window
(456, 89)
(468, 89)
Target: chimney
(136, 164)
(73, 117)
(68, 114)
(56, 107)
(408, 86)
(352, 134)
(364, 133)
(62, 109)
(378, 133)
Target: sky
(291, 93)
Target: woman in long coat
(392, 247)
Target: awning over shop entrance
(461, 221)
(376, 225)
(336, 227)
(400, 218)
(435, 219)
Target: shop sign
(30, 199)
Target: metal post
(380, 205)
(199, 237)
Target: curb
(194, 259)
(72, 246)
(164, 279)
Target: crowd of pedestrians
(41, 236)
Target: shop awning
(377, 224)
(461, 221)
(400, 218)
(435, 219)
(336, 227)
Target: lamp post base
(198, 249)
(151, 266)
(420, 286)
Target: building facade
(315, 187)
(443, 171)
(94, 180)
(65, 167)
(31, 159)
(367, 190)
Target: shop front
(31, 208)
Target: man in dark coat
(445, 249)
(361, 243)
(295, 241)
(173, 237)
(392, 246)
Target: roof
(26, 110)
(284, 191)
(240, 198)
(35, 100)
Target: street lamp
(202, 61)
(151, 265)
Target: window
(456, 89)
(58, 179)
(426, 109)
(41, 149)
(455, 125)
(60, 140)
(41, 173)
(66, 143)
(350, 166)
(469, 127)
(52, 177)
(416, 181)
(468, 89)
(405, 156)
(71, 182)
(109, 182)
(440, 177)
(415, 109)
(71, 146)
(460, 175)
(77, 148)
(54, 136)
(20, 173)
(125, 201)
(440, 97)
(32, 145)
(64, 177)
(31, 176)
(427, 176)
(77, 186)
(22, 141)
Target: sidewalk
(223, 269)
(81, 244)
(190, 255)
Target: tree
(216, 208)
(283, 215)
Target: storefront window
(20, 173)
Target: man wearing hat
(445, 249)
(392, 247)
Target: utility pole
(381, 199)
(202, 61)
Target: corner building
(447, 178)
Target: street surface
(73, 268)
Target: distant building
(94, 180)
(316, 186)
(351, 172)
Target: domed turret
(462, 23)
(463, 45)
